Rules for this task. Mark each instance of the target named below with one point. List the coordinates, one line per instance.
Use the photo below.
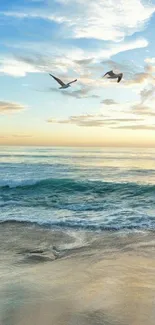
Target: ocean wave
(72, 185)
(17, 183)
(85, 225)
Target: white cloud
(14, 67)
(83, 70)
(109, 20)
(101, 19)
(63, 59)
(121, 47)
(150, 60)
(22, 15)
(65, 54)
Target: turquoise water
(86, 188)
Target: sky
(83, 40)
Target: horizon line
(77, 146)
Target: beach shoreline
(63, 277)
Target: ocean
(82, 188)
(77, 236)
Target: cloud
(147, 93)
(138, 78)
(149, 68)
(125, 66)
(141, 78)
(33, 15)
(91, 19)
(80, 93)
(150, 60)
(131, 75)
(148, 113)
(108, 102)
(16, 68)
(22, 135)
(90, 56)
(135, 127)
(46, 63)
(83, 61)
(104, 20)
(142, 110)
(9, 107)
(19, 66)
(63, 59)
(140, 107)
(90, 120)
(114, 49)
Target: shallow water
(66, 277)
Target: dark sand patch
(31, 251)
(34, 258)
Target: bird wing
(58, 80)
(72, 81)
(120, 77)
(110, 73)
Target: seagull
(113, 75)
(63, 85)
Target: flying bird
(113, 75)
(63, 85)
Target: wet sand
(53, 277)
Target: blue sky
(83, 40)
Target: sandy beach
(64, 277)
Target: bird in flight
(113, 75)
(63, 85)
